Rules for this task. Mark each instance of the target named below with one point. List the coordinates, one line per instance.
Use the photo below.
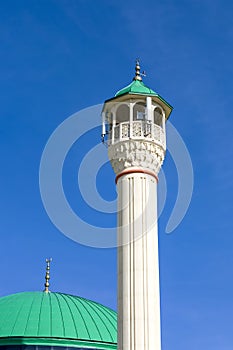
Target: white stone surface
(143, 154)
(138, 264)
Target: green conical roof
(55, 319)
(136, 87)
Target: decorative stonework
(137, 130)
(142, 154)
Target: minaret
(134, 129)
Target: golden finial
(137, 71)
(47, 275)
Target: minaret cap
(47, 275)
(137, 71)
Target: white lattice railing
(137, 130)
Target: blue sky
(60, 56)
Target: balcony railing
(137, 130)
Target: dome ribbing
(37, 318)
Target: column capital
(136, 154)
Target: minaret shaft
(138, 265)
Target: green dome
(55, 319)
(136, 87)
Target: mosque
(133, 127)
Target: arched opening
(122, 114)
(158, 116)
(139, 111)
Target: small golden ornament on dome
(47, 275)
(137, 71)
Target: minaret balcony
(143, 130)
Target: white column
(138, 263)
(149, 108)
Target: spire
(137, 71)
(47, 275)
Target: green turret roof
(55, 319)
(136, 87)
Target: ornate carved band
(140, 154)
